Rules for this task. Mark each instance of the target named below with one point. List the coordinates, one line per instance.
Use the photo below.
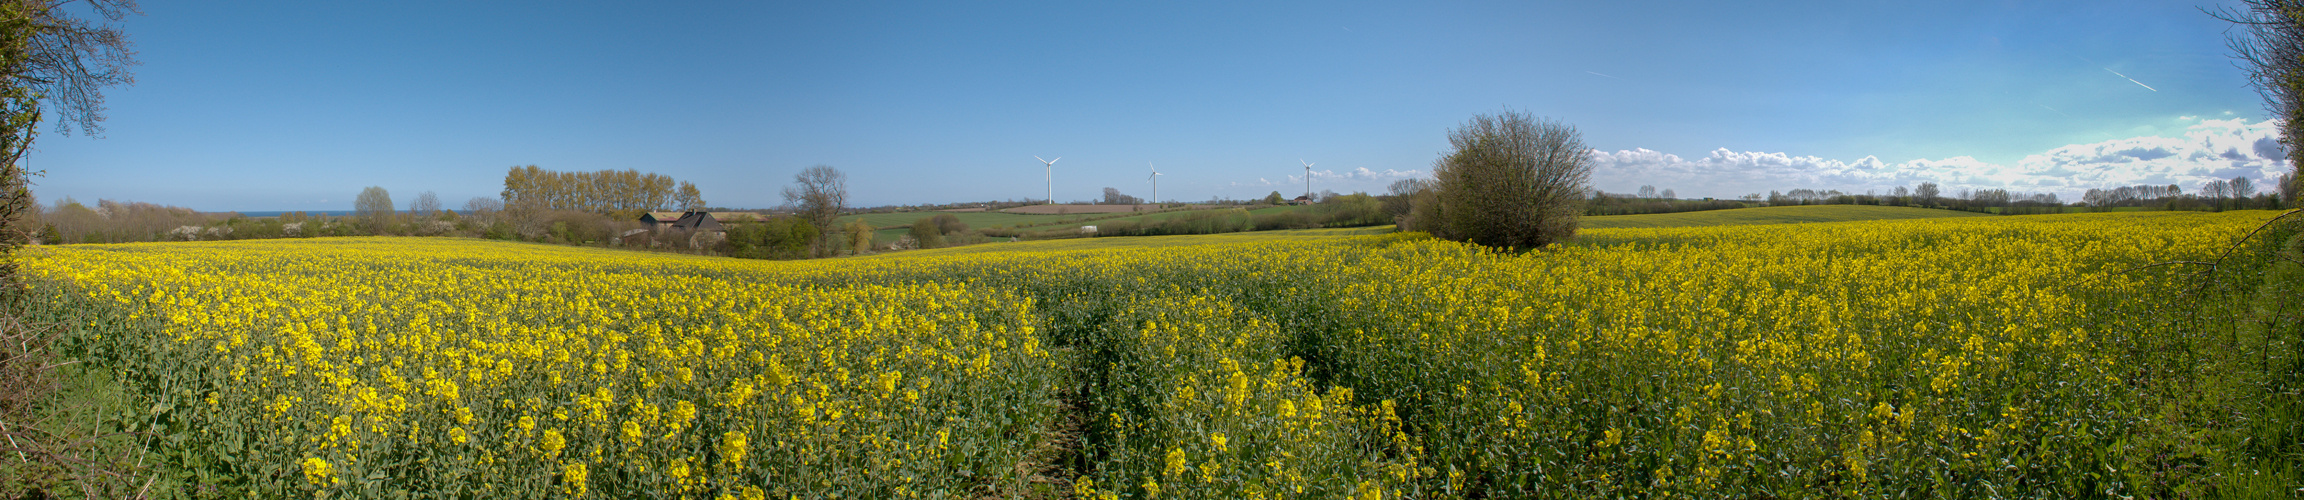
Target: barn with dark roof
(692, 221)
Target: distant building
(692, 221)
(659, 220)
(1301, 200)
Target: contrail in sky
(2132, 80)
(1598, 73)
(2059, 111)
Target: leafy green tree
(948, 224)
(775, 238)
(688, 197)
(1512, 181)
(622, 193)
(926, 233)
(859, 235)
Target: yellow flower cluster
(507, 370)
(1932, 357)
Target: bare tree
(426, 205)
(373, 208)
(2288, 188)
(1927, 193)
(2270, 47)
(1512, 181)
(482, 210)
(1112, 196)
(1647, 192)
(1669, 195)
(1400, 197)
(2242, 187)
(818, 194)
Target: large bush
(1512, 181)
(1351, 210)
(939, 231)
(925, 234)
(775, 238)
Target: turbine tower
(1307, 180)
(1155, 183)
(1051, 174)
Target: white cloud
(1358, 176)
(1355, 180)
(2210, 149)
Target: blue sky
(298, 105)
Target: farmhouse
(692, 221)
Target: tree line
(2238, 193)
(622, 192)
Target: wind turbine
(1307, 180)
(1051, 173)
(1155, 183)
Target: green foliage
(1350, 210)
(926, 234)
(627, 193)
(774, 238)
(19, 118)
(1512, 181)
(1282, 219)
(499, 231)
(948, 224)
(1200, 222)
(859, 236)
(938, 231)
(1613, 205)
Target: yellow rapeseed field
(1988, 356)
